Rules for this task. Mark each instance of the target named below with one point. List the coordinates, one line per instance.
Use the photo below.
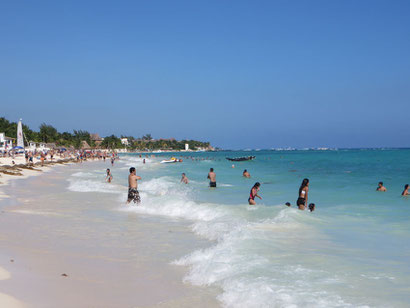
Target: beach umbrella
(17, 148)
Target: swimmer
(288, 204)
(184, 179)
(246, 174)
(406, 190)
(303, 194)
(212, 178)
(311, 207)
(254, 193)
(133, 193)
(380, 187)
(108, 178)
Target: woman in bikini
(254, 193)
(303, 194)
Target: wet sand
(68, 249)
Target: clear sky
(240, 74)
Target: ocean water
(352, 251)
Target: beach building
(124, 141)
(32, 146)
(97, 139)
(43, 146)
(6, 143)
(85, 145)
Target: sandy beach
(63, 249)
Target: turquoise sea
(352, 251)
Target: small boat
(168, 161)
(172, 160)
(245, 158)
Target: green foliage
(111, 142)
(48, 133)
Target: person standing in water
(108, 178)
(380, 187)
(246, 174)
(212, 178)
(184, 179)
(303, 194)
(133, 194)
(254, 193)
(406, 190)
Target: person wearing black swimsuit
(303, 194)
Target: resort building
(124, 141)
(97, 139)
(32, 146)
(6, 143)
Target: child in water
(108, 178)
(254, 193)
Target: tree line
(49, 134)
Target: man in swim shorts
(133, 193)
(212, 178)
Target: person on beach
(133, 194)
(212, 178)
(406, 190)
(108, 178)
(112, 161)
(184, 179)
(254, 193)
(380, 187)
(303, 194)
(246, 174)
(42, 159)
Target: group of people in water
(405, 192)
(301, 202)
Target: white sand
(111, 259)
(5, 299)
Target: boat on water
(245, 158)
(172, 160)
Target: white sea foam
(248, 257)
(94, 186)
(83, 174)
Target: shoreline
(20, 171)
(63, 239)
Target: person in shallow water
(406, 190)
(184, 178)
(212, 178)
(312, 207)
(133, 194)
(380, 187)
(246, 174)
(288, 204)
(108, 178)
(254, 193)
(303, 194)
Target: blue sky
(240, 74)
